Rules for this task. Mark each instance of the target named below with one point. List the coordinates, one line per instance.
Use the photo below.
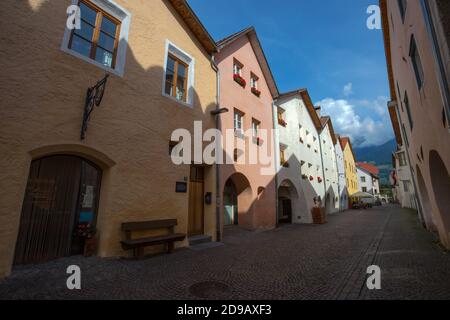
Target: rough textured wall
(43, 91)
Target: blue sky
(324, 46)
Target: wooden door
(50, 209)
(196, 203)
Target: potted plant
(88, 233)
(311, 178)
(256, 92)
(319, 179)
(241, 81)
(304, 176)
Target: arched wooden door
(61, 197)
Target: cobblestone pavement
(292, 262)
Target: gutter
(218, 127)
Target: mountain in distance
(380, 156)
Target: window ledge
(183, 103)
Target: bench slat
(153, 240)
(148, 225)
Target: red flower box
(256, 92)
(311, 178)
(241, 81)
(319, 179)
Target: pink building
(416, 35)
(247, 90)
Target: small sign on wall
(181, 187)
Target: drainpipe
(218, 127)
(276, 146)
(337, 173)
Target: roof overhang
(194, 24)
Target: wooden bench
(139, 244)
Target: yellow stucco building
(351, 177)
(53, 180)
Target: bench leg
(139, 252)
(170, 247)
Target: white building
(330, 173)
(368, 178)
(401, 180)
(342, 185)
(365, 181)
(299, 164)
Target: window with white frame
(178, 74)
(102, 36)
(238, 121)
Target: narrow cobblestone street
(292, 262)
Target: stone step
(196, 240)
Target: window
(283, 161)
(400, 97)
(402, 159)
(402, 4)
(405, 137)
(99, 40)
(178, 75)
(405, 186)
(363, 179)
(281, 120)
(408, 110)
(364, 189)
(254, 81)
(238, 121)
(237, 68)
(255, 128)
(176, 78)
(417, 64)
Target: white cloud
(348, 89)
(366, 126)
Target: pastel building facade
(297, 125)
(342, 185)
(418, 59)
(368, 178)
(247, 89)
(121, 171)
(330, 178)
(351, 177)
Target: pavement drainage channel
(210, 290)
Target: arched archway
(440, 180)
(59, 209)
(237, 201)
(425, 201)
(287, 201)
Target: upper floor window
(98, 36)
(237, 67)
(178, 74)
(363, 179)
(176, 78)
(254, 85)
(281, 117)
(402, 5)
(402, 159)
(408, 110)
(255, 127)
(98, 40)
(417, 64)
(238, 121)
